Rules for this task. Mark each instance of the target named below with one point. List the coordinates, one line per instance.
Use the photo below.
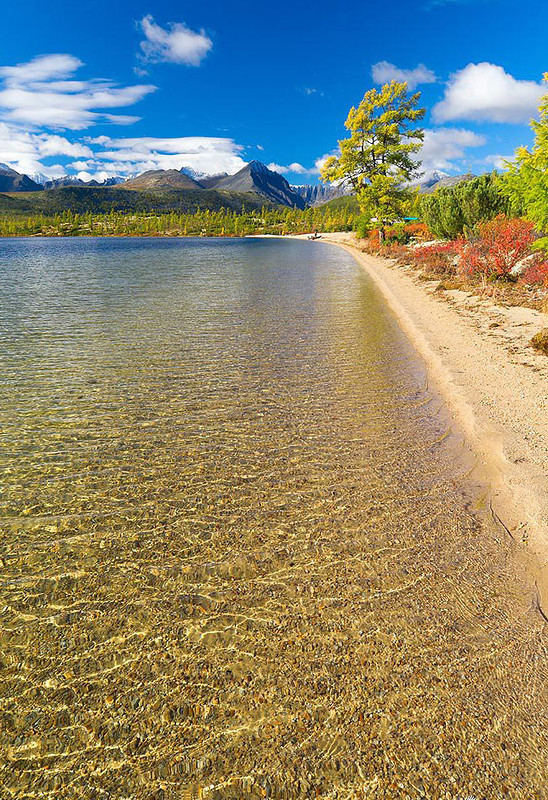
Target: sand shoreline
(496, 387)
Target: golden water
(240, 553)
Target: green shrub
(452, 211)
(361, 227)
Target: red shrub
(373, 240)
(501, 244)
(438, 258)
(398, 252)
(536, 273)
(419, 231)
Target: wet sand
(244, 553)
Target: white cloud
(309, 90)
(99, 176)
(176, 44)
(80, 166)
(318, 164)
(442, 146)
(23, 150)
(294, 167)
(486, 93)
(202, 155)
(384, 72)
(498, 161)
(298, 169)
(56, 65)
(40, 93)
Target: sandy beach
(478, 353)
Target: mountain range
(12, 181)
(255, 184)
(257, 178)
(162, 179)
(318, 195)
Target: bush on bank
(457, 210)
(500, 250)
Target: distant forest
(222, 222)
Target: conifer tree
(526, 182)
(376, 159)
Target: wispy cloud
(309, 90)
(486, 93)
(384, 72)
(42, 93)
(174, 44)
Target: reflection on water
(237, 556)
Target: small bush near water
(540, 341)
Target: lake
(242, 553)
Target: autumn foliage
(438, 258)
(497, 249)
(536, 274)
(500, 250)
(397, 234)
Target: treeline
(225, 222)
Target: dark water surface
(239, 553)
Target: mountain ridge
(12, 181)
(258, 178)
(163, 179)
(317, 195)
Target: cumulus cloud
(201, 155)
(176, 44)
(42, 93)
(299, 169)
(442, 146)
(384, 72)
(24, 150)
(486, 93)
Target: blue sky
(119, 87)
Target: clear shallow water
(237, 548)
